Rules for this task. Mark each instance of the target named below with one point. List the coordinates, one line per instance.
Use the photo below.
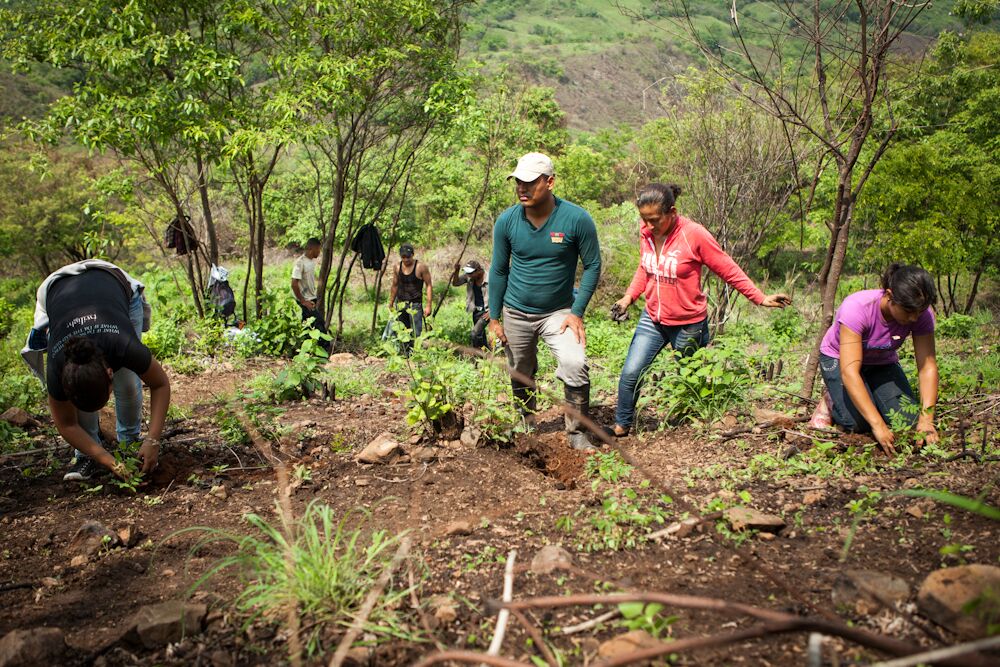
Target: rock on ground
(161, 624)
(628, 643)
(946, 594)
(549, 558)
(458, 528)
(19, 418)
(743, 518)
(867, 591)
(91, 536)
(382, 449)
(29, 648)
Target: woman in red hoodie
(673, 250)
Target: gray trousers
(523, 331)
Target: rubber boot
(579, 399)
(527, 404)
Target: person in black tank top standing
(406, 299)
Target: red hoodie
(672, 285)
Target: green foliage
(335, 566)
(6, 317)
(231, 429)
(955, 325)
(21, 390)
(646, 616)
(165, 338)
(301, 377)
(280, 330)
(700, 388)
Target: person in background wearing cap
(536, 246)
(304, 286)
(409, 282)
(473, 277)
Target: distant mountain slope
(605, 65)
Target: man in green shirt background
(536, 246)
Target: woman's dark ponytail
(658, 194)
(85, 375)
(912, 287)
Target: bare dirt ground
(510, 498)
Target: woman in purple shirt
(858, 357)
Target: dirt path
(466, 508)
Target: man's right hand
(496, 328)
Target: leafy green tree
(935, 198)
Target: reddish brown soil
(512, 498)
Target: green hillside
(608, 60)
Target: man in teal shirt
(536, 246)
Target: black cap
(406, 250)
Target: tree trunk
(257, 191)
(975, 287)
(206, 211)
(836, 253)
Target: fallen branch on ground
(502, 616)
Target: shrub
(164, 339)
(956, 325)
(703, 387)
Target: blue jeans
(886, 385)
(649, 338)
(128, 393)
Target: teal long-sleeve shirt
(533, 270)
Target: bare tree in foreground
(823, 71)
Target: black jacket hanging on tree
(369, 244)
(180, 236)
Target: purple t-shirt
(880, 339)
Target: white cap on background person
(531, 166)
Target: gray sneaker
(82, 469)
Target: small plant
(300, 378)
(955, 325)
(301, 473)
(646, 616)
(336, 564)
(129, 465)
(230, 429)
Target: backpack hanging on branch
(180, 235)
(220, 294)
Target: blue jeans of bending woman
(127, 389)
(647, 342)
(886, 385)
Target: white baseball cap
(531, 166)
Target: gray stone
(161, 624)
(867, 591)
(744, 518)
(382, 449)
(91, 537)
(964, 599)
(549, 558)
(470, 436)
(28, 648)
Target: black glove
(618, 314)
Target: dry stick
(592, 623)
(508, 590)
(415, 603)
(942, 653)
(288, 523)
(783, 621)
(536, 637)
(469, 656)
(369, 604)
(729, 435)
